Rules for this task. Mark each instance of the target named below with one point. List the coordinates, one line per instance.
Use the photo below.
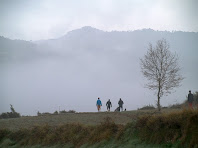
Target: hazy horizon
(45, 19)
(171, 31)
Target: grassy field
(141, 128)
(82, 118)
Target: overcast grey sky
(44, 19)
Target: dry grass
(81, 118)
(166, 128)
(75, 134)
(172, 127)
(55, 120)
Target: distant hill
(14, 50)
(94, 41)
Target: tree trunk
(158, 103)
(158, 97)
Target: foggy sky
(45, 19)
(76, 67)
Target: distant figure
(125, 109)
(120, 103)
(98, 104)
(109, 105)
(190, 99)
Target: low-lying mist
(73, 75)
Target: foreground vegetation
(175, 129)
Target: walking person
(120, 103)
(109, 105)
(190, 100)
(98, 104)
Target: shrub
(147, 107)
(56, 112)
(38, 113)
(11, 114)
(63, 111)
(71, 111)
(43, 114)
(46, 113)
(177, 106)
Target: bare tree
(12, 108)
(161, 69)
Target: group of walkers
(109, 105)
(120, 103)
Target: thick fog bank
(72, 71)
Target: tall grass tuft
(168, 128)
(105, 131)
(4, 133)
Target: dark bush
(63, 111)
(11, 114)
(177, 106)
(71, 111)
(55, 113)
(147, 107)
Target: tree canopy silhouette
(160, 67)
